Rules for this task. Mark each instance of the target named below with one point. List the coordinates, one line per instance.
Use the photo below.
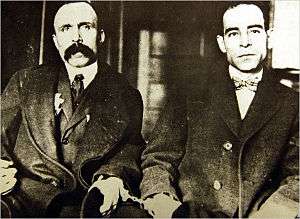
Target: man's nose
(245, 40)
(77, 38)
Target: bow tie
(250, 84)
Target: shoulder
(34, 74)
(287, 94)
(112, 77)
(40, 69)
(119, 82)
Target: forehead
(75, 13)
(242, 16)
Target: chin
(79, 63)
(248, 67)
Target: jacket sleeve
(284, 201)
(163, 154)
(125, 162)
(10, 116)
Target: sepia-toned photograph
(150, 109)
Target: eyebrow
(86, 23)
(250, 26)
(230, 29)
(256, 26)
(64, 25)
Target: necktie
(250, 84)
(77, 88)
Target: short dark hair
(225, 6)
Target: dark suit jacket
(102, 135)
(189, 156)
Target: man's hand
(161, 205)
(110, 189)
(7, 176)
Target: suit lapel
(64, 89)
(100, 103)
(80, 113)
(262, 108)
(39, 110)
(103, 103)
(89, 96)
(225, 102)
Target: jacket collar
(261, 110)
(95, 94)
(65, 91)
(263, 107)
(224, 99)
(103, 93)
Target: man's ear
(55, 40)
(221, 44)
(270, 38)
(101, 36)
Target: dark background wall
(20, 37)
(181, 45)
(184, 21)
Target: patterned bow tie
(250, 84)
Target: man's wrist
(113, 181)
(161, 204)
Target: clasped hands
(112, 188)
(161, 205)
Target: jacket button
(65, 141)
(227, 145)
(217, 185)
(55, 183)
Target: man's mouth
(246, 55)
(77, 55)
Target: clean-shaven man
(230, 149)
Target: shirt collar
(233, 72)
(89, 72)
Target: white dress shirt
(89, 72)
(244, 95)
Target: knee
(6, 211)
(11, 207)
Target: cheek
(232, 53)
(232, 48)
(90, 38)
(261, 48)
(63, 41)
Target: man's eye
(255, 31)
(65, 28)
(87, 27)
(232, 34)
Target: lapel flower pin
(58, 101)
(88, 117)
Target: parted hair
(225, 6)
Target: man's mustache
(78, 47)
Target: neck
(242, 75)
(251, 72)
